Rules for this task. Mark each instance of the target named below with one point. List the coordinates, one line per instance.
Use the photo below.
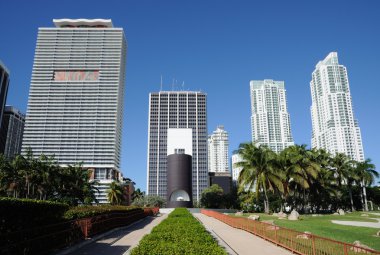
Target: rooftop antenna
(161, 83)
(173, 85)
(183, 85)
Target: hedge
(90, 211)
(19, 214)
(180, 233)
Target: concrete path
(359, 223)
(240, 241)
(121, 241)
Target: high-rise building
(171, 115)
(218, 151)
(334, 125)
(270, 118)
(235, 169)
(12, 129)
(75, 106)
(4, 83)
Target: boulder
(336, 213)
(275, 214)
(282, 215)
(239, 213)
(359, 247)
(378, 233)
(273, 227)
(341, 212)
(268, 222)
(254, 217)
(294, 215)
(364, 215)
(305, 235)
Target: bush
(90, 211)
(180, 233)
(18, 214)
(149, 201)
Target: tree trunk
(365, 198)
(266, 202)
(351, 200)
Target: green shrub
(180, 233)
(90, 211)
(19, 214)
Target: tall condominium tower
(270, 118)
(236, 158)
(334, 125)
(75, 105)
(12, 129)
(178, 112)
(4, 83)
(218, 151)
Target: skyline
(216, 48)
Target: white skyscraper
(236, 158)
(270, 118)
(218, 151)
(75, 106)
(334, 126)
(172, 113)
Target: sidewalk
(240, 241)
(121, 241)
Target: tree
(149, 201)
(115, 194)
(212, 197)
(138, 194)
(366, 174)
(258, 169)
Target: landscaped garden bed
(180, 233)
(39, 227)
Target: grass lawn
(322, 226)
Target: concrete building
(218, 151)
(12, 129)
(181, 112)
(270, 119)
(334, 125)
(4, 84)
(75, 106)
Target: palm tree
(366, 174)
(115, 194)
(257, 170)
(305, 168)
(341, 165)
(137, 194)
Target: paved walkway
(121, 241)
(359, 223)
(240, 241)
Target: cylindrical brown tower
(179, 181)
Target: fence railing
(295, 241)
(45, 239)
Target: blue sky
(216, 47)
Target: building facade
(4, 84)
(218, 151)
(12, 129)
(334, 125)
(75, 106)
(235, 158)
(180, 111)
(270, 119)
